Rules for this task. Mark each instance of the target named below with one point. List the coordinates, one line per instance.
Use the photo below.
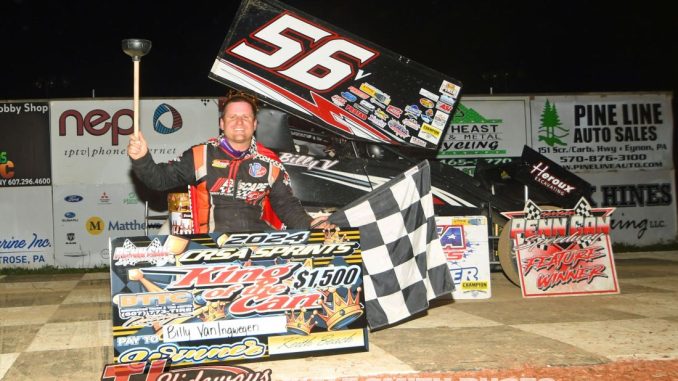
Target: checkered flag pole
(404, 264)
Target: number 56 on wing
(328, 76)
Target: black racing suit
(238, 194)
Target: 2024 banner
(221, 297)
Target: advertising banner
(563, 252)
(26, 238)
(486, 127)
(544, 176)
(333, 78)
(237, 296)
(24, 144)
(95, 197)
(614, 132)
(86, 217)
(89, 137)
(644, 201)
(464, 242)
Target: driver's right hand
(137, 147)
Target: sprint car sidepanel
(332, 172)
(448, 199)
(323, 183)
(326, 183)
(466, 188)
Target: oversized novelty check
(213, 298)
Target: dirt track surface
(64, 321)
(658, 370)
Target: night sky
(67, 49)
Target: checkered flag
(128, 245)
(532, 211)
(404, 263)
(155, 245)
(583, 208)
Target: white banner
(85, 217)
(26, 237)
(562, 252)
(94, 197)
(464, 242)
(487, 127)
(586, 133)
(645, 204)
(89, 137)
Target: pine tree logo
(551, 126)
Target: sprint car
(328, 172)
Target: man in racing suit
(238, 184)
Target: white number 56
(326, 64)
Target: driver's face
(238, 124)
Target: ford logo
(69, 214)
(73, 198)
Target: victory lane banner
(332, 78)
(211, 298)
(563, 252)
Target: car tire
(506, 254)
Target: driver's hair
(238, 96)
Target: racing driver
(237, 184)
